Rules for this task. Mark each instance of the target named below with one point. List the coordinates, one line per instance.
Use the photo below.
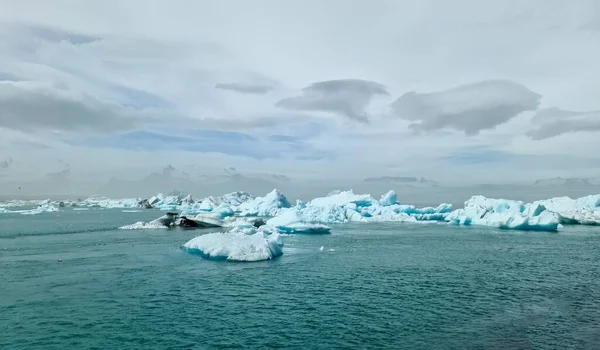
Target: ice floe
(584, 210)
(293, 220)
(269, 205)
(235, 246)
(505, 214)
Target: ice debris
(584, 210)
(293, 220)
(269, 205)
(504, 214)
(234, 246)
(346, 206)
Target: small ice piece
(164, 221)
(232, 246)
(293, 221)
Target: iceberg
(107, 203)
(294, 221)
(235, 199)
(269, 205)
(346, 206)
(234, 246)
(389, 198)
(166, 220)
(140, 225)
(583, 211)
(46, 207)
(504, 214)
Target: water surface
(372, 286)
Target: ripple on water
(383, 287)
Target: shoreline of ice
(242, 241)
(343, 207)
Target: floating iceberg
(164, 221)
(294, 221)
(107, 203)
(269, 205)
(389, 198)
(584, 210)
(233, 246)
(46, 207)
(235, 199)
(346, 206)
(140, 225)
(504, 214)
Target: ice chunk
(346, 206)
(209, 203)
(269, 205)
(294, 221)
(340, 198)
(233, 246)
(108, 203)
(584, 210)
(42, 208)
(140, 225)
(389, 198)
(505, 214)
(162, 222)
(235, 199)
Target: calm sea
(373, 286)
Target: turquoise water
(383, 286)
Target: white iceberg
(504, 214)
(269, 205)
(294, 221)
(346, 206)
(141, 225)
(108, 203)
(235, 199)
(584, 210)
(233, 246)
(389, 198)
(164, 221)
(47, 207)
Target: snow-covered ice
(341, 207)
(161, 222)
(140, 225)
(505, 214)
(269, 205)
(346, 206)
(294, 221)
(584, 210)
(234, 246)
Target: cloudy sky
(456, 91)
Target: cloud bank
(469, 108)
(346, 97)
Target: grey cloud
(25, 40)
(555, 121)
(348, 97)
(8, 77)
(554, 113)
(469, 108)
(244, 88)
(6, 163)
(31, 107)
(58, 35)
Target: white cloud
(62, 68)
(469, 108)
